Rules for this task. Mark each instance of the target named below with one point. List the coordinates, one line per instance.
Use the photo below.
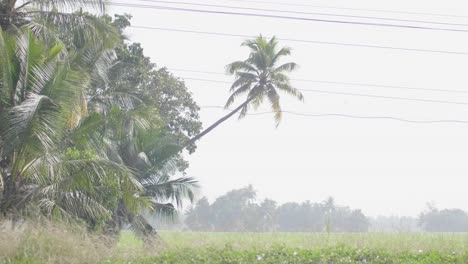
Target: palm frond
(240, 66)
(238, 92)
(134, 204)
(144, 117)
(164, 211)
(28, 49)
(162, 189)
(70, 4)
(259, 60)
(161, 153)
(274, 99)
(67, 89)
(279, 77)
(33, 123)
(102, 64)
(287, 67)
(246, 76)
(287, 88)
(57, 186)
(78, 29)
(7, 69)
(72, 204)
(77, 174)
(104, 100)
(50, 178)
(256, 94)
(90, 133)
(285, 51)
(257, 44)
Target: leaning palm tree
(260, 78)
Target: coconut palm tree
(134, 137)
(261, 78)
(56, 159)
(41, 102)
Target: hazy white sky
(380, 166)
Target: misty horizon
(383, 166)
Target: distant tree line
(430, 220)
(238, 211)
(445, 220)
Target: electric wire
(302, 40)
(204, 11)
(346, 116)
(351, 94)
(349, 8)
(321, 42)
(303, 13)
(341, 83)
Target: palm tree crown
(260, 76)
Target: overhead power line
(341, 83)
(352, 94)
(303, 40)
(287, 17)
(304, 13)
(349, 8)
(347, 116)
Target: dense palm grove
(90, 129)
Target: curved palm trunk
(217, 123)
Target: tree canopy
(238, 210)
(82, 139)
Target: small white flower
(295, 253)
(364, 261)
(420, 251)
(259, 258)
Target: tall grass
(48, 242)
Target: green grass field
(306, 248)
(54, 244)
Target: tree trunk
(217, 123)
(6, 11)
(8, 192)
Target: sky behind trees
(381, 166)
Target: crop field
(62, 245)
(184, 247)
